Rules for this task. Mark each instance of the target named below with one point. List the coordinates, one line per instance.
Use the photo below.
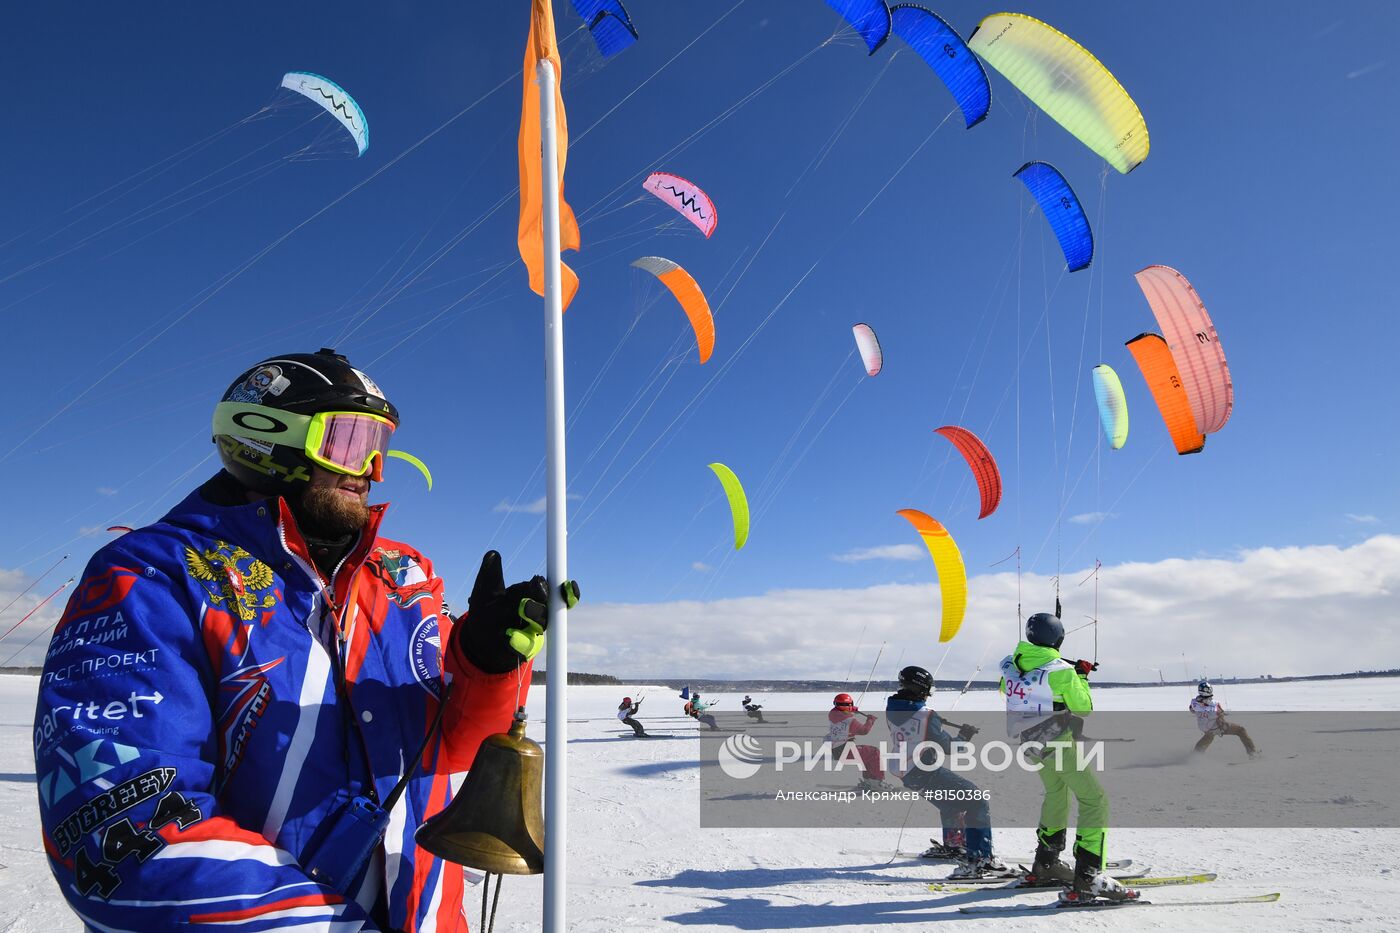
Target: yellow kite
(952, 575)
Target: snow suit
(1210, 719)
(1045, 695)
(960, 803)
(625, 712)
(210, 708)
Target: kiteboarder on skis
(695, 709)
(1046, 700)
(847, 722)
(1210, 718)
(626, 710)
(911, 724)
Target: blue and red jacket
(209, 705)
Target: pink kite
(1193, 343)
(693, 204)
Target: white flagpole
(556, 773)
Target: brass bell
(494, 823)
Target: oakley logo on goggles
(351, 442)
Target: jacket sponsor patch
(425, 653)
(70, 831)
(98, 594)
(251, 694)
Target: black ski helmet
(917, 678)
(1205, 689)
(1045, 629)
(304, 384)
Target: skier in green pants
(1046, 698)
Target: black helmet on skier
(1045, 629)
(1205, 689)
(289, 413)
(916, 678)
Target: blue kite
(943, 50)
(1063, 211)
(609, 24)
(870, 18)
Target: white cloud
(882, 552)
(529, 508)
(701, 567)
(536, 507)
(1363, 519)
(106, 491)
(86, 530)
(1374, 66)
(1090, 518)
(1273, 610)
(1287, 610)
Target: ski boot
(1092, 884)
(944, 853)
(1048, 870)
(973, 868)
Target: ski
(1111, 865)
(984, 884)
(1130, 875)
(1019, 884)
(1116, 864)
(1159, 881)
(1108, 905)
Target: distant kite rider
(626, 710)
(1210, 719)
(695, 709)
(753, 710)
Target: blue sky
(1266, 185)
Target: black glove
(505, 625)
(1084, 667)
(965, 733)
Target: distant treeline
(889, 686)
(577, 678)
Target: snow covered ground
(639, 861)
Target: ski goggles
(350, 442)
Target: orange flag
(542, 45)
